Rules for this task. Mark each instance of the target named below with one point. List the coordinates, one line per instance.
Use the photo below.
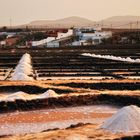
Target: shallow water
(61, 118)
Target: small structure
(60, 42)
(10, 41)
(64, 35)
(3, 43)
(54, 41)
(53, 44)
(42, 42)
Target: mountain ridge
(68, 21)
(75, 21)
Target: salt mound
(125, 120)
(48, 94)
(24, 64)
(25, 96)
(23, 69)
(26, 55)
(17, 95)
(25, 59)
(111, 57)
(21, 77)
(26, 71)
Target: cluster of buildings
(10, 39)
(60, 40)
(89, 36)
(73, 37)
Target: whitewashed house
(86, 34)
(53, 44)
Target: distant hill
(65, 22)
(114, 22)
(121, 21)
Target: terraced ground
(66, 71)
(81, 80)
(68, 63)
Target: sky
(24, 11)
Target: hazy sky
(24, 11)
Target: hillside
(121, 21)
(65, 22)
(115, 21)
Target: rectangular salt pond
(21, 127)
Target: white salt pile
(25, 96)
(21, 77)
(126, 120)
(17, 95)
(26, 58)
(48, 94)
(111, 57)
(23, 69)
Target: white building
(42, 42)
(95, 35)
(80, 43)
(63, 35)
(86, 34)
(59, 42)
(2, 43)
(52, 41)
(53, 44)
